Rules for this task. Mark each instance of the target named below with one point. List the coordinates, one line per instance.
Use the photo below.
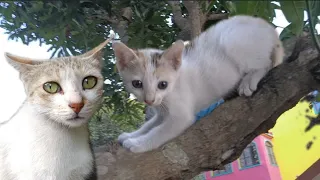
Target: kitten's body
(48, 137)
(235, 53)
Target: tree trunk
(220, 137)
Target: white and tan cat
(179, 82)
(48, 137)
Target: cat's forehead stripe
(149, 57)
(155, 59)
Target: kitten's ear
(173, 53)
(96, 54)
(124, 55)
(22, 64)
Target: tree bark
(220, 137)
(196, 17)
(191, 25)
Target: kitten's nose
(76, 107)
(149, 102)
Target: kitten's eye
(137, 83)
(89, 82)
(163, 84)
(51, 87)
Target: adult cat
(181, 81)
(48, 137)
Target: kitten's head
(66, 90)
(149, 74)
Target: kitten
(48, 137)
(182, 80)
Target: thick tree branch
(195, 17)
(220, 137)
(119, 23)
(122, 25)
(180, 21)
(177, 14)
(192, 25)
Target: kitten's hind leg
(250, 81)
(154, 121)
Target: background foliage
(73, 27)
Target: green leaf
(315, 11)
(231, 6)
(294, 13)
(286, 33)
(74, 33)
(246, 7)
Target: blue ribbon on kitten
(205, 112)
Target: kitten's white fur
(236, 52)
(39, 142)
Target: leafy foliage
(150, 26)
(73, 27)
(294, 13)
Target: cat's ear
(174, 53)
(124, 55)
(96, 54)
(22, 64)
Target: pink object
(264, 170)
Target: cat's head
(149, 74)
(66, 90)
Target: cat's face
(149, 74)
(66, 90)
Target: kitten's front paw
(245, 87)
(124, 136)
(134, 145)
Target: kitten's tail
(277, 56)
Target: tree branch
(220, 137)
(217, 16)
(180, 21)
(118, 22)
(195, 17)
(177, 14)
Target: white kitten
(48, 137)
(181, 81)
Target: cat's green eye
(51, 87)
(89, 82)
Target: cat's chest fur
(33, 147)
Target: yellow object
(290, 141)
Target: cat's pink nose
(149, 102)
(76, 107)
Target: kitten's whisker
(163, 108)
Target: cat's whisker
(164, 108)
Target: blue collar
(205, 112)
